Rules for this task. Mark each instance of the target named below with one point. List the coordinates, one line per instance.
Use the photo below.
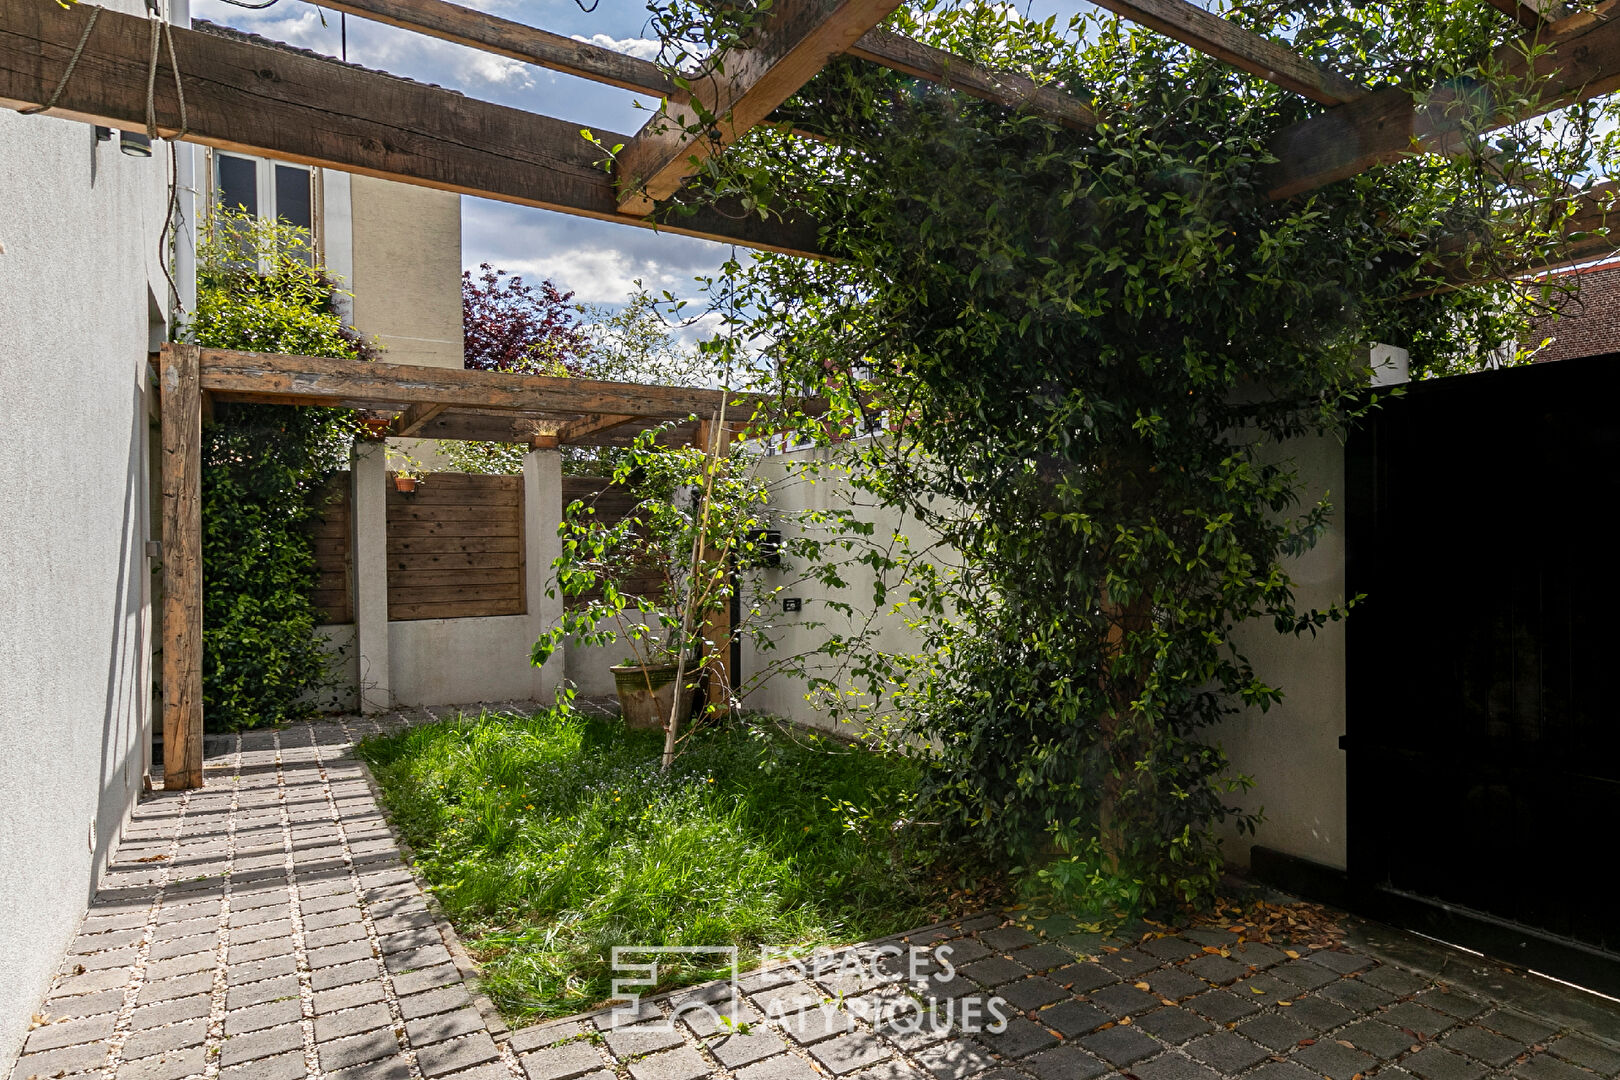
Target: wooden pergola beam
(319, 380)
(1243, 49)
(180, 418)
(514, 40)
(898, 53)
(739, 90)
(592, 425)
(417, 417)
(1530, 14)
(1590, 221)
(518, 41)
(1573, 60)
(258, 100)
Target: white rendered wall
(1291, 751)
(79, 288)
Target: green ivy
(1093, 347)
(265, 468)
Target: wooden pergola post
(716, 443)
(180, 384)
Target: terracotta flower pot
(649, 708)
(406, 484)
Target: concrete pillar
(542, 514)
(370, 553)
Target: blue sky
(599, 261)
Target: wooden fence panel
(611, 504)
(332, 534)
(455, 547)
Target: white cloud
(639, 47)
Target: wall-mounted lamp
(135, 144)
(103, 134)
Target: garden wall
(443, 606)
(82, 301)
(1291, 751)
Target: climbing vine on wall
(264, 470)
(1091, 347)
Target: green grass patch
(553, 838)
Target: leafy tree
(265, 469)
(1093, 347)
(634, 343)
(509, 325)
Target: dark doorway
(1483, 744)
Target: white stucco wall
(79, 225)
(456, 661)
(405, 262)
(804, 481)
(1291, 750)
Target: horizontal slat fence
(455, 547)
(611, 504)
(332, 534)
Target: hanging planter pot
(375, 428)
(405, 484)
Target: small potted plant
(651, 580)
(407, 469)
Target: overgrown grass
(551, 839)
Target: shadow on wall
(127, 724)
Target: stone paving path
(267, 927)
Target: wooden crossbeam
(417, 417)
(1243, 49)
(517, 41)
(316, 380)
(1591, 221)
(592, 425)
(1530, 14)
(899, 53)
(739, 90)
(250, 98)
(1573, 60)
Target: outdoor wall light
(135, 144)
(103, 134)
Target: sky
(598, 261)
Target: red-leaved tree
(510, 325)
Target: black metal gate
(1483, 742)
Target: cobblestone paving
(1198, 1006)
(263, 928)
(267, 928)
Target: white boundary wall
(1291, 751)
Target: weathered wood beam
(246, 97)
(1530, 14)
(898, 53)
(1592, 223)
(1573, 60)
(417, 417)
(1243, 49)
(517, 41)
(180, 393)
(489, 33)
(305, 380)
(739, 90)
(592, 425)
